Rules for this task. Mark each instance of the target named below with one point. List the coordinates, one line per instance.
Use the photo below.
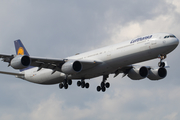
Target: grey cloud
(75, 24)
(62, 28)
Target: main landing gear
(65, 84)
(104, 84)
(161, 64)
(83, 84)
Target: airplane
(113, 59)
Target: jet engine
(138, 73)
(20, 62)
(71, 67)
(157, 74)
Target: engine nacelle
(20, 62)
(138, 73)
(71, 67)
(157, 74)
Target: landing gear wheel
(78, 83)
(98, 88)
(107, 85)
(61, 85)
(65, 86)
(87, 85)
(82, 84)
(161, 64)
(69, 82)
(102, 84)
(103, 89)
(65, 82)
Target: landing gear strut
(104, 84)
(83, 84)
(161, 64)
(65, 84)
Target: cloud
(163, 23)
(126, 103)
(54, 108)
(61, 28)
(176, 4)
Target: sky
(61, 28)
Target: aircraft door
(148, 45)
(109, 53)
(153, 43)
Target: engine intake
(20, 62)
(138, 73)
(157, 74)
(71, 67)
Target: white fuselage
(112, 57)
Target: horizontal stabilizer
(11, 73)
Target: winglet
(20, 49)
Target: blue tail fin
(21, 50)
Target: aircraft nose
(173, 41)
(177, 41)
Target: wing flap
(6, 58)
(124, 70)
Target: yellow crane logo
(20, 51)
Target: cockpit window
(171, 36)
(166, 37)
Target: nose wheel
(161, 63)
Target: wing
(152, 72)
(56, 64)
(124, 70)
(6, 58)
(40, 62)
(51, 63)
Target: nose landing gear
(161, 64)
